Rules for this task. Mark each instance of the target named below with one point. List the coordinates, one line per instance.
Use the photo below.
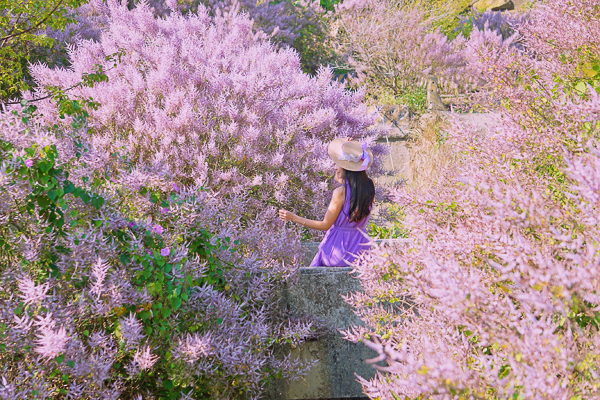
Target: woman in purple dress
(348, 214)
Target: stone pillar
(434, 100)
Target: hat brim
(335, 148)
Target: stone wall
(317, 293)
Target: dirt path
(398, 161)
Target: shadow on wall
(317, 294)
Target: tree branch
(34, 27)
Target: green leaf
(85, 197)
(590, 71)
(69, 187)
(176, 303)
(97, 202)
(581, 87)
(63, 204)
(44, 166)
(144, 315)
(168, 384)
(43, 201)
(165, 311)
(59, 359)
(71, 364)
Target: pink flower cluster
(191, 104)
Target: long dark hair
(362, 193)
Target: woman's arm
(335, 206)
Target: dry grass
(429, 154)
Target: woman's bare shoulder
(339, 192)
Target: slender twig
(31, 101)
(16, 23)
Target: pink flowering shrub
(139, 242)
(393, 47)
(302, 25)
(495, 291)
(98, 301)
(390, 46)
(205, 102)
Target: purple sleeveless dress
(343, 241)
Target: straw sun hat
(351, 156)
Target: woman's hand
(287, 215)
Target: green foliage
(313, 42)
(50, 185)
(382, 232)
(415, 98)
(395, 231)
(446, 14)
(50, 190)
(49, 182)
(464, 30)
(21, 22)
(589, 77)
(169, 296)
(329, 4)
(203, 245)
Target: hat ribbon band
(365, 157)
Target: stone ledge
(324, 270)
